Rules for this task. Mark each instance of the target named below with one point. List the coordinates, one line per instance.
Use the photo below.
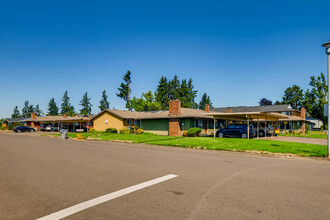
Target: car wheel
(19, 131)
(244, 135)
(221, 135)
(32, 130)
(261, 134)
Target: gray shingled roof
(267, 108)
(15, 120)
(185, 113)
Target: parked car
(19, 129)
(235, 130)
(269, 131)
(47, 127)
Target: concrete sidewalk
(305, 140)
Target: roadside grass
(312, 134)
(227, 144)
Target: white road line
(93, 202)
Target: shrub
(140, 131)
(125, 131)
(111, 130)
(91, 130)
(135, 129)
(194, 132)
(148, 133)
(185, 134)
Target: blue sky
(236, 51)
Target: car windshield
(231, 126)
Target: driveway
(41, 176)
(305, 140)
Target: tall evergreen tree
(205, 100)
(16, 113)
(86, 105)
(38, 111)
(174, 86)
(25, 109)
(125, 90)
(162, 93)
(192, 94)
(52, 107)
(183, 94)
(66, 107)
(104, 104)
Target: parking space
(42, 175)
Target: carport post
(258, 128)
(213, 127)
(265, 127)
(248, 127)
(327, 51)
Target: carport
(248, 117)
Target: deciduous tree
(264, 102)
(316, 97)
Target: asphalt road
(41, 175)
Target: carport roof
(50, 118)
(244, 115)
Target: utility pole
(327, 51)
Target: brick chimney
(207, 108)
(64, 116)
(175, 107)
(229, 110)
(303, 113)
(33, 115)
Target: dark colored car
(23, 129)
(235, 130)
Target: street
(42, 175)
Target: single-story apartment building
(69, 122)
(176, 120)
(172, 122)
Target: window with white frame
(129, 121)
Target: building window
(106, 122)
(129, 121)
(200, 123)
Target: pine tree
(38, 111)
(86, 105)
(162, 93)
(66, 107)
(192, 94)
(16, 113)
(30, 110)
(183, 94)
(125, 90)
(52, 107)
(104, 104)
(174, 88)
(25, 109)
(205, 100)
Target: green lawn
(312, 134)
(228, 144)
